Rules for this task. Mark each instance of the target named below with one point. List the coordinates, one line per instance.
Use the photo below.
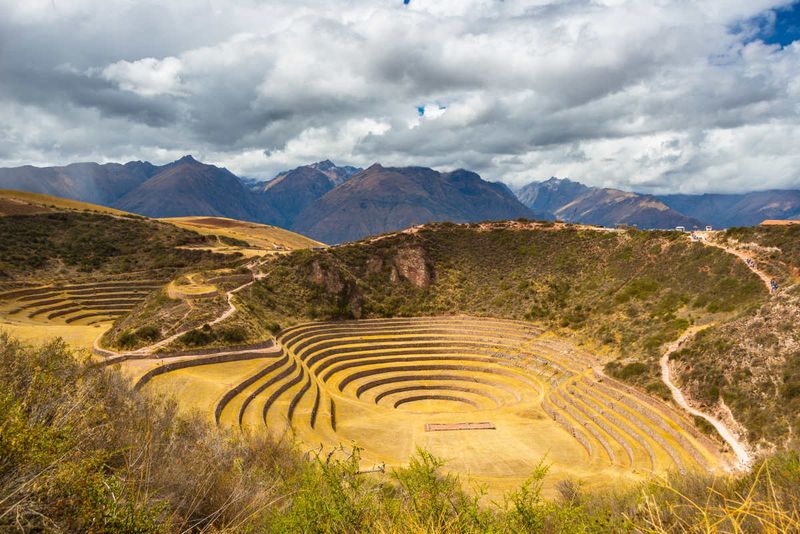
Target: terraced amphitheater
(493, 397)
(78, 303)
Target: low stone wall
(183, 364)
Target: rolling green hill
(65, 244)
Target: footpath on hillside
(151, 349)
(739, 449)
(742, 455)
(748, 260)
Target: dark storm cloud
(674, 96)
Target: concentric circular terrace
(493, 397)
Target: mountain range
(572, 201)
(327, 202)
(334, 203)
(379, 199)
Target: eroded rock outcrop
(410, 264)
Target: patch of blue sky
(780, 26)
(435, 109)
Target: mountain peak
(324, 165)
(187, 159)
(385, 199)
(555, 181)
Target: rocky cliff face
(410, 264)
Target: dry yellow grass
(77, 336)
(47, 201)
(262, 238)
(377, 383)
(78, 313)
(780, 222)
(198, 388)
(190, 286)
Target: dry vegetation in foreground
(81, 452)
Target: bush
(82, 452)
(148, 333)
(127, 340)
(631, 370)
(233, 334)
(198, 337)
(273, 327)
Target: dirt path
(150, 349)
(748, 260)
(742, 455)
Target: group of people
(773, 284)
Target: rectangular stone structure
(439, 427)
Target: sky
(656, 96)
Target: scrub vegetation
(81, 452)
(627, 292)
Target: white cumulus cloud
(654, 96)
(147, 76)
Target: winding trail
(748, 260)
(150, 349)
(742, 455)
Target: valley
(379, 383)
(494, 346)
(410, 266)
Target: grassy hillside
(67, 244)
(752, 362)
(24, 203)
(74, 272)
(261, 238)
(778, 246)
(628, 291)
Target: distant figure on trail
(773, 285)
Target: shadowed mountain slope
(575, 202)
(87, 182)
(188, 187)
(381, 199)
(738, 210)
(609, 207)
(552, 194)
(293, 191)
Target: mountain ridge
(573, 201)
(392, 198)
(321, 197)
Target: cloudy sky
(654, 96)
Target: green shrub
(148, 333)
(127, 340)
(233, 334)
(631, 370)
(198, 337)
